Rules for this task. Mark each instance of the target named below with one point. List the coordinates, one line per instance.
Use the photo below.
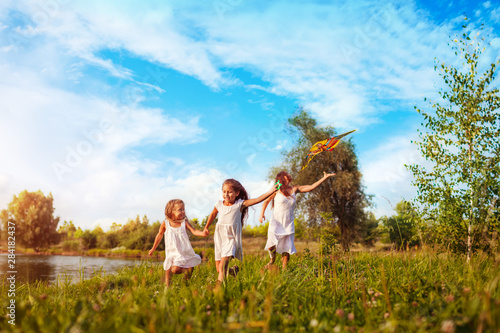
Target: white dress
(227, 235)
(178, 249)
(281, 232)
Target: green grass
(369, 292)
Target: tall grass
(381, 292)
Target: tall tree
(462, 142)
(343, 198)
(33, 215)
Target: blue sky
(117, 107)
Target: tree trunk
(469, 227)
(469, 242)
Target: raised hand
(326, 175)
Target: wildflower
(182, 307)
(377, 294)
(350, 316)
(43, 296)
(313, 323)
(450, 298)
(467, 290)
(337, 329)
(448, 326)
(96, 307)
(209, 313)
(340, 313)
(414, 303)
(387, 315)
(370, 291)
(208, 307)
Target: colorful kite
(325, 145)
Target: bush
(71, 246)
(256, 231)
(329, 240)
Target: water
(48, 268)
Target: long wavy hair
(170, 207)
(237, 187)
(280, 177)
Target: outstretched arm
(211, 218)
(158, 237)
(264, 206)
(251, 202)
(194, 231)
(307, 188)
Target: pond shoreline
(103, 253)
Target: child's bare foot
(269, 265)
(233, 271)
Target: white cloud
(148, 31)
(341, 74)
(384, 173)
(78, 146)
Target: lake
(48, 267)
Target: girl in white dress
(281, 232)
(179, 254)
(227, 236)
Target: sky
(116, 107)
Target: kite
(325, 145)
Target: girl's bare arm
(251, 202)
(211, 218)
(307, 188)
(194, 231)
(264, 206)
(158, 237)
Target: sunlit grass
(384, 292)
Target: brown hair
(237, 187)
(280, 177)
(170, 207)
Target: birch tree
(459, 193)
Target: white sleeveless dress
(281, 232)
(178, 249)
(227, 235)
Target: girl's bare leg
(168, 277)
(217, 265)
(272, 253)
(189, 272)
(223, 266)
(285, 257)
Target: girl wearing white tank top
(179, 254)
(227, 236)
(281, 232)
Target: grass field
(421, 291)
